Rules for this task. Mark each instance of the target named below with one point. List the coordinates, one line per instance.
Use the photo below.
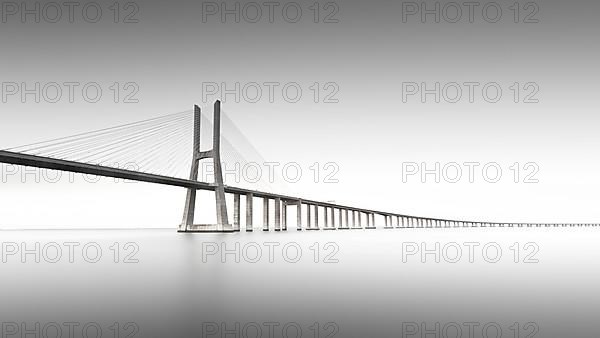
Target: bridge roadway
(98, 170)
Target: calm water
(376, 283)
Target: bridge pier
(277, 214)
(284, 215)
(332, 219)
(345, 225)
(328, 219)
(371, 222)
(236, 212)
(265, 214)
(187, 224)
(308, 217)
(249, 215)
(299, 215)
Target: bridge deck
(91, 169)
(98, 170)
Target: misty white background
(369, 133)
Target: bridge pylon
(187, 224)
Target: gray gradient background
(369, 133)
(369, 53)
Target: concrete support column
(353, 218)
(308, 217)
(347, 217)
(284, 216)
(329, 218)
(326, 219)
(371, 223)
(265, 214)
(236, 212)
(222, 219)
(332, 218)
(316, 217)
(341, 219)
(299, 216)
(277, 214)
(190, 200)
(249, 214)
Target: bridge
(50, 155)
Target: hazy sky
(366, 62)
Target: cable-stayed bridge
(146, 142)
